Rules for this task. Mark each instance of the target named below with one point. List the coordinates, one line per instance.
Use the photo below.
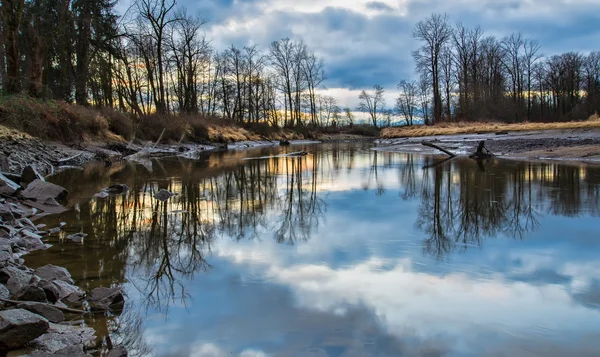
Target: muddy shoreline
(575, 145)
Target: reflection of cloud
(458, 305)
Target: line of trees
(465, 75)
(155, 59)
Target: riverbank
(578, 144)
(42, 310)
(593, 122)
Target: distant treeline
(156, 59)
(465, 75)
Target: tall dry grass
(482, 127)
(52, 120)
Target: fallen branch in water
(427, 143)
(65, 309)
(480, 154)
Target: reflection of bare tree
(127, 331)
(299, 203)
(462, 205)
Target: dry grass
(480, 127)
(58, 120)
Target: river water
(344, 252)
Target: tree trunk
(12, 11)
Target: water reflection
(239, 212)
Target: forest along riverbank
(570, 144)
(41, 310)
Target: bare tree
(513, 63)
(372, 103)
(435, 32)
(406, 104)
(349, 116)
(158, 15)
(530, 57)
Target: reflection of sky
(361, 286)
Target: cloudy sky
(368, 42)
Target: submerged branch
(427, 143)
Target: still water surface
(344, 252)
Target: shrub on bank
(52, 120)
(118, 122)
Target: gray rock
(31, 243)
(51, 313)
(62, 338)
(52, 272)
(5, 257)
(7, 186)
(18, 327)
(65, 289)
(4, 293)
(70, 294)
(75, 300)
(4, 165)
(77, 237)
(31, 293)
(10, 211)
(71, 351)
(106, 299)
(6, 244)
(118, 351)
(163, 195)
(51, 291)
(41, 191)
(14, 278)
(29, 175)
(117, 189)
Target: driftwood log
(481, 153)
(62, 308)
(431, 145)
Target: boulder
(31, 243)
(65, 289)
(118, 351)
(106, 299)
(163, 195)
(71, 351)
(62, 338)
(18, 327)
(6, 244)
(52, 272)
(41, 191)
(117, 189)
(7, 186)
(70, 294)
(4, 293)
(51, 291)
(77, 237)
(10, 211)
(4, 164)
(31, 293)
(30, 234)
(5, 257)
(49, 312)
(14, 278)
(29, 175)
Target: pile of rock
(33, 302)
(36, 304)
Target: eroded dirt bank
(572, 144)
